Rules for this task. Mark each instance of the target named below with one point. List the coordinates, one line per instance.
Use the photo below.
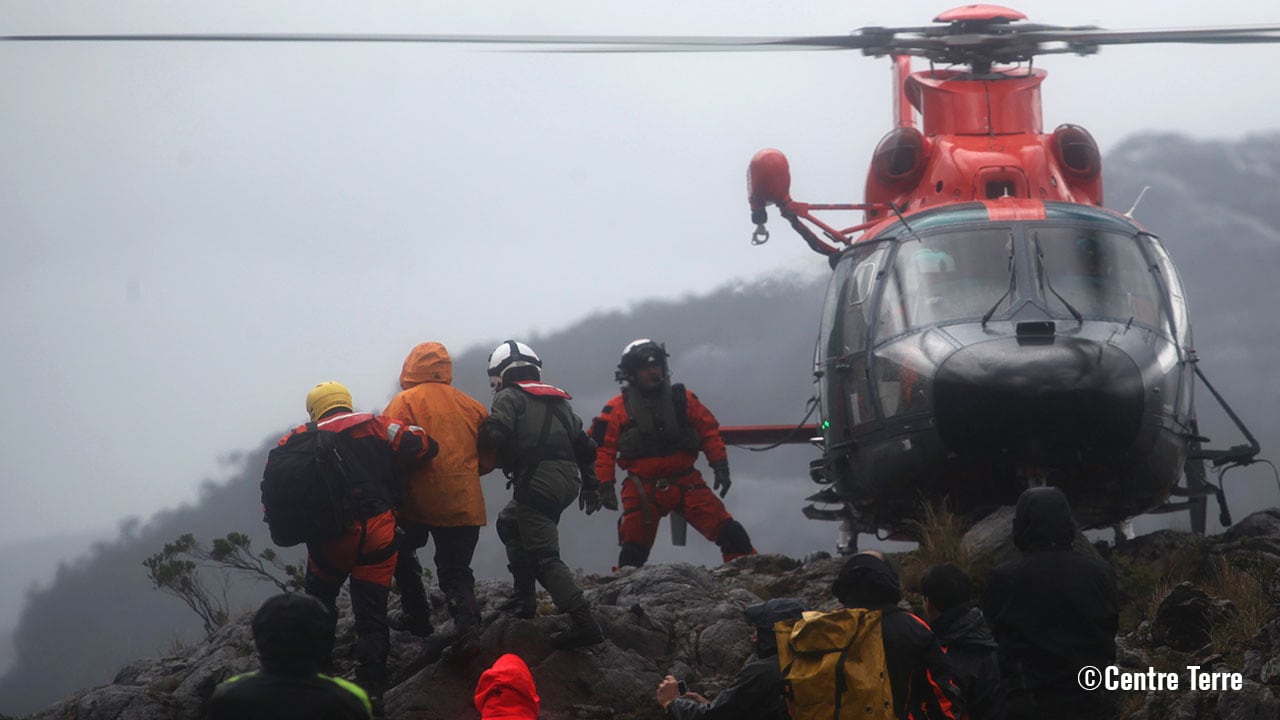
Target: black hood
(764, 615)
(867, 581)
(291, 632)
(963, 625)
(1042, 520)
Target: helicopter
(989, 325)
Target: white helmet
(637, 354)
(508, 355)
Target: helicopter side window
(1099, 273)
(857, 310)
(841, 360)
(1173, 286)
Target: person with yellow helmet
(372, 448)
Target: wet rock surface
(687, 620)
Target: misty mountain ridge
(746, 349)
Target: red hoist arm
(769, 183)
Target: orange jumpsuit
(660, 473)
(366, 552)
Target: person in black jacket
(756, 693)
(920, 676)
(1053, 611)
(965, 637)
(291, 632)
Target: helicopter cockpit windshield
(1102, 274)
(947, 276)
(896, 305)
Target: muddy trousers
(532, 539)
(366, 553)
(455, 547)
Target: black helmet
(639, 353)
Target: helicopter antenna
(1142, 193)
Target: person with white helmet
(654, 431)
(549, 461)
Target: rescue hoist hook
(760, 236)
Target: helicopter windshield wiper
(1044, 273)
(1007, 292)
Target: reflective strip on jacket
(378, 446)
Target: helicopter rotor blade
(962, 43)
(1226, 35)
(587, 43)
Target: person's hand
(589, 499)
(668, 690)
(609, 495)
(721, 470)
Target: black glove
(589, 499)
(609, 495)
(721, 469)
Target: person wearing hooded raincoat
(920, 675)
(1053, 611)
(966, 638)
(506, 691)
(443, 498)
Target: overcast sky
(193, 235)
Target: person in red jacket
(506, 691)
(375, 449)
(654, 431)
(443, 498)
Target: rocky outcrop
(687, 620)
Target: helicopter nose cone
(1067, 396)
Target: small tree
(179, 569)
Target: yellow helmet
(325, 397)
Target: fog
(192, 235)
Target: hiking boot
(522, 606)
(585, 631)
(413, 624)
(373, 682)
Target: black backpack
(306, 491)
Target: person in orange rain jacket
(443, 498)
(375, 448)
(506, 691)
(654, 430)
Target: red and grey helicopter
(989, 325)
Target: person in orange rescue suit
(443, 499)
(377, 447)
(654, 430)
